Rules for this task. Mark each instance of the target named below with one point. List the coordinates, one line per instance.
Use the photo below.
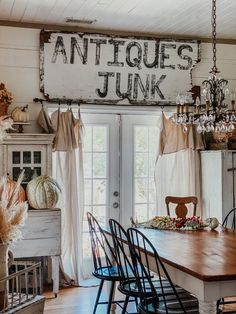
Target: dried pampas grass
(12, 213)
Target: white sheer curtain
(68, 171)
(177, 173)
(67, 161)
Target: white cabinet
(31, 152)
(218, 182)
(41, 236)
(42, 232)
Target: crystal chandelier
(214, 115)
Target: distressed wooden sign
(94, 68)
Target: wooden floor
(78, 301)
(81, 301)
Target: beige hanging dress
(173, 139)
(67, 130)
(78, 128)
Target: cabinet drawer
(42, 227)
(36, 247)
(41, 235)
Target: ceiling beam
(112, 32)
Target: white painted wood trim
(207, 307)
(29, 138)
(42, 237)
(217, 183)
(55, 274)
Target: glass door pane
(101, 170)
(140, 142)
(145, 149)
(96, 170)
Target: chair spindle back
(230, 219)
(139, 246)
(102, 253)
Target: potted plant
(13, 213)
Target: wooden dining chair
(181, 210)
(156, 300)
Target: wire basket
(22, 288)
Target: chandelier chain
(213, 23)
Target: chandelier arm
(208, 83)
(223, 81)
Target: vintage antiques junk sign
(96, 68)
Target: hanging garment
(67, 129)
(44, 121)
(173, 139)
(78, 128)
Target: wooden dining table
(203, 262)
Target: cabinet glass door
(31, 159)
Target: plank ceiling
(189, 18)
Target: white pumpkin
(43, 192)
(212, 222)
(20, 114)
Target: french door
(119, 158)
(101, 158)
(139, 148)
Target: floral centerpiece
(169, 223)
(6, 98)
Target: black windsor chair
(128, 284)
(153, 300)
(103, 259)
(228, 222)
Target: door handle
(115, 205)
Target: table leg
(55, 274)
(207, 307)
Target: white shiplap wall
(19, 65)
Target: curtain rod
(57, 101)
(71, 101)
